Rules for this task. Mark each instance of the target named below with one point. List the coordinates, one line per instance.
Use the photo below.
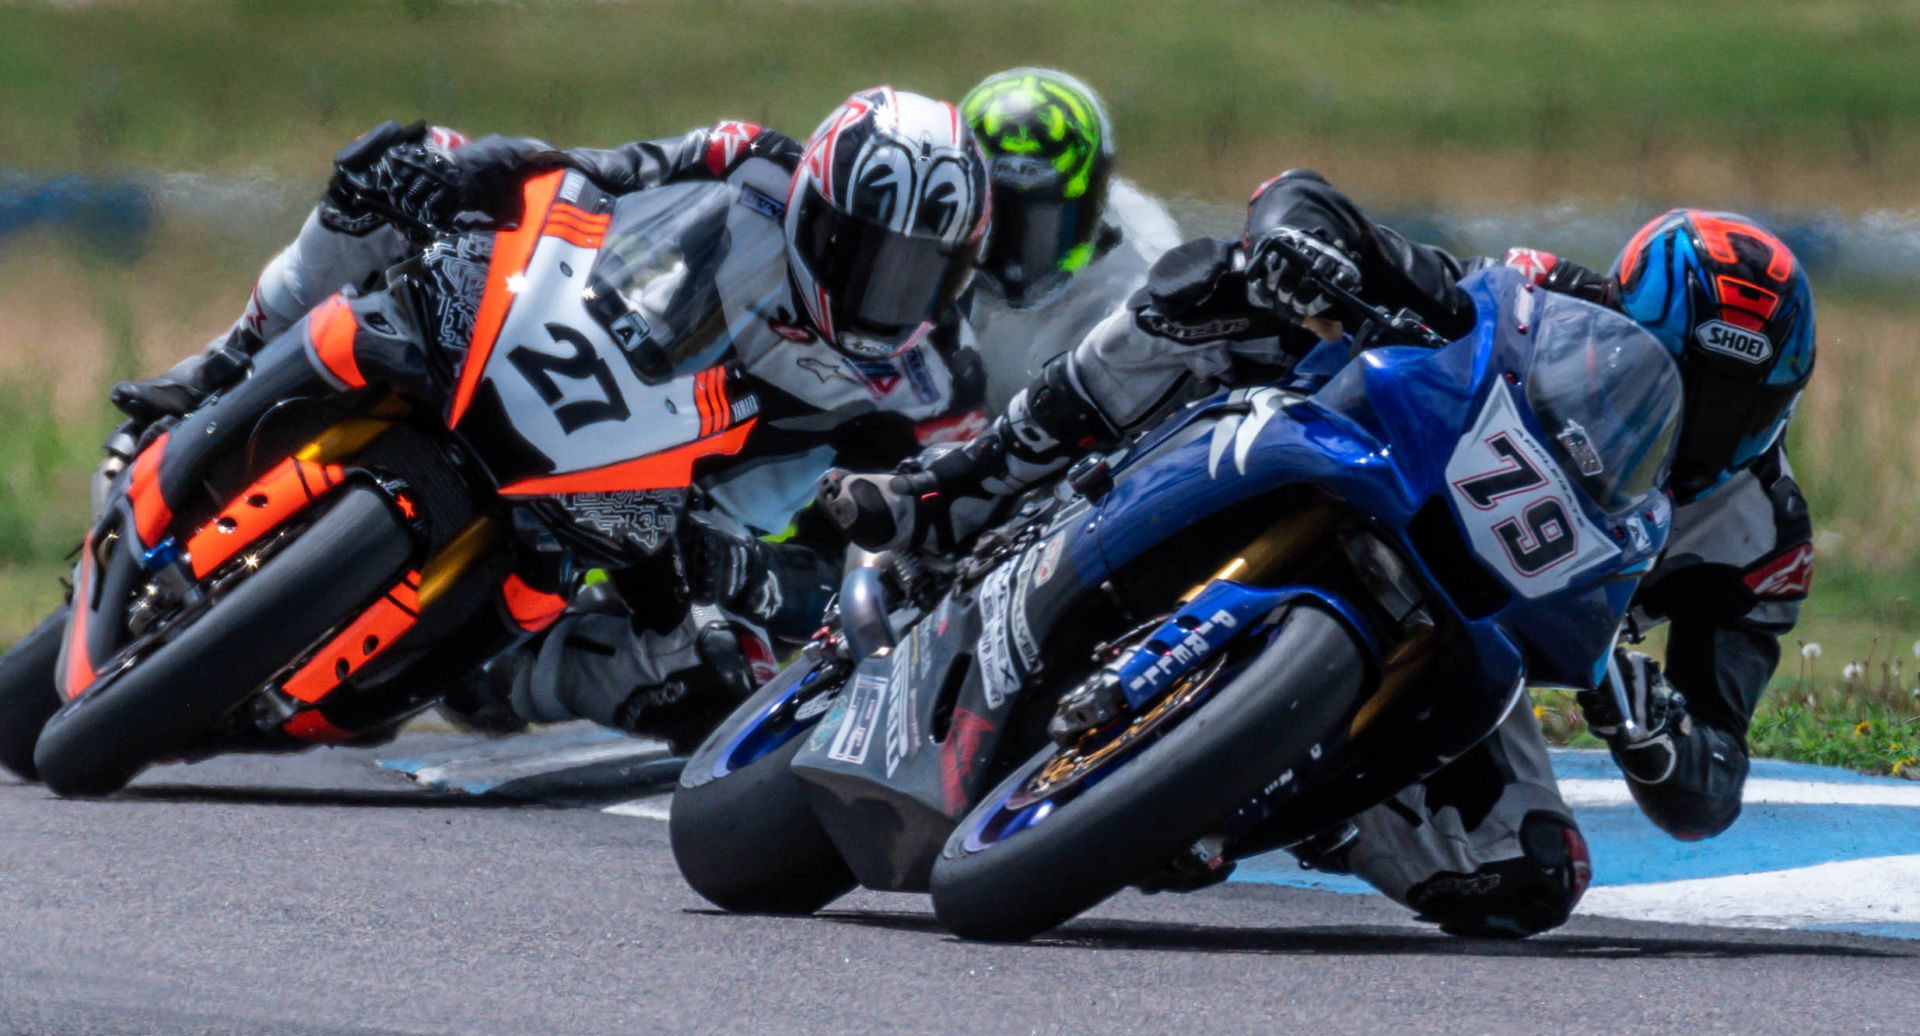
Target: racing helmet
(1732, 304)
(1050, 146)
(885, 219)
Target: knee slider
(1514, 898)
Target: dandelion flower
(1852, 671)
(1863, 727)
(1813, 650)
(1810, 698)
(1916, 649)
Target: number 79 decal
(1517, 507)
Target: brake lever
(1403, 321)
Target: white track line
(1881, 890)
(1586, 791)
(654, 808)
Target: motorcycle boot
(188, 383)
(944, 495)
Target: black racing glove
(783, 587)
(1582, 282)
(1279, 282)
(393, 175)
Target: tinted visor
(1029, 240)
(880, 283)
(1728, 424)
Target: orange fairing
(150, 511)
(577, 227)
(79, 670)
(512, 249)
(363, 639)
(330, 331)
(281, 493)
(532, 610)
(313, 728)
(670, 469)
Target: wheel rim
(1050, 782)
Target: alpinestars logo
(1718, 336)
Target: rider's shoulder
(1187, 275)
(730, 142)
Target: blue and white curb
(1815, 848)
(574, 763)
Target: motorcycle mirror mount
(863, 613)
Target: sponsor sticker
(1718, 336)
(999, 678)
(1049, 559)
(899, 726)
(861, 719)
(1580, 449)
(1022, 630)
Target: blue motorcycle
(1276, 609)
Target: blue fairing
(1382, 436)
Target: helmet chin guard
(885, 220)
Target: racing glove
(394, 174)
(783, 587)
(1280, 283)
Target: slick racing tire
(28, 694)
(97, 743)
(746, 838)
(1015, 881)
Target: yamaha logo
(1717, 336)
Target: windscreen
(1608, 395)
(653, 286)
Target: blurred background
(154, 154)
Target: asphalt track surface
(319, 894)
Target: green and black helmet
(1049, 149)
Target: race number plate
(1520, 511)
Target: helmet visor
(1029, 240)
(880, 283)
(1729, 423)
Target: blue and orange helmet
(1732, 304)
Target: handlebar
(1372, 321)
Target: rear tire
(99, 741)
(1152, 807)
(28, 694)
(748, 841)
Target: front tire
(96, 743)
(744, 836)
(1015, 882)
(28, 695)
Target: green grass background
(1473, 104)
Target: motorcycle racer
(875, 224)
(1486, 846)
(1070, 240)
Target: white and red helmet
(885, 220)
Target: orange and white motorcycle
(410, 480)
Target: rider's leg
(319, 262)
(1484, 847)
